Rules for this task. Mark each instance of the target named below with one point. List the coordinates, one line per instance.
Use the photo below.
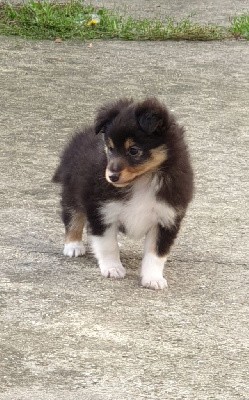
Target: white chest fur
(141, 212)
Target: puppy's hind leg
(74, 222)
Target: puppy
(131, 172)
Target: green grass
(45, 20)
(240, 27)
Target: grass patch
(75, 20)
(240, 27)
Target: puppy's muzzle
(114, 169)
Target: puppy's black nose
(114, 177)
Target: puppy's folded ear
(107, 113)
(151, 116)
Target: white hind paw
(74, 249)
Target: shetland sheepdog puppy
(129, 172)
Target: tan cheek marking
(127, 175)
(75, 228)
(158, 156)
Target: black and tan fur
(132, 148)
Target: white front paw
(115, 270)
(152, 282)
(74, 249)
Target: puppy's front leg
(106, 250)
(157, 245)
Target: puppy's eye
(134, 151)
(110, 149)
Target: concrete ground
(66, 333)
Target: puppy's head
(134, 135)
